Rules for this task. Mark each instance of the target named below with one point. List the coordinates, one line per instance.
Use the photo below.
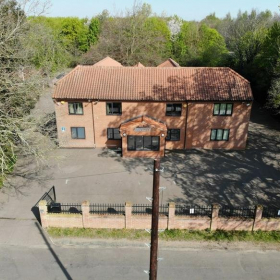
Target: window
(219, 134)
(173, 135)
(113, 108)
(143, 143)
(113, 134)
(78, 133)
(173, 109)
(75, 108)
(223, 109)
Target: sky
(186, 9)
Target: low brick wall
(194, 223)
(170, 221)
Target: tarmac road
(39, 258)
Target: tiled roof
(169, 63)
(152, 83)
(139, 64)
(108, 62)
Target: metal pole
(155, 215)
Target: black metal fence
(193, 210)
(271, 212)
(241, 212)
(69, 208)
(142, 209)
(112, 209)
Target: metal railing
(69, 208)
(111, 209)
(142, 209)
(241, 212)
(193, 210)
(49, 196)
(271, 212)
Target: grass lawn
(168, 235)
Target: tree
(212, 21)
(273, 101)
(46, 50)
(93, 31)
(75, 35)
(20, 85)
(199, 45)
(136, 37)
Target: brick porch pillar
(43, 210)
(128, 215)
(171, 215)
(214, 216)
(85, 213)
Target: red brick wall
(65, 120)
(64, 220)
(235, 224)
(200, 121)
(133, 109)
(195, 223)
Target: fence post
(258, 216)
(171, 215)
(214, 216)
(85, 213)
(128, 215)
(43, 210)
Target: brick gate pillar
(85, 213)
(171, 215)
(214, 216)
(43, 210)
(258, 216)
(128, 215)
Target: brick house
(145, 110)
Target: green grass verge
(169, 235)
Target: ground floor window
(142, 143)
(113, 134)
(173, 135)
(219, 134)
(78, 133)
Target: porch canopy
(143, 136)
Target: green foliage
(199, 45)
(93, 31)
(212, 46)
(75, 35)
(274, 96)
(136, 37)
(212, 21)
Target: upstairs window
(219, 134)
(113, 108)
(173, 109)
(113, 134)
(223, 109)
(75, 108)
(173, 135)
(78, 133)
